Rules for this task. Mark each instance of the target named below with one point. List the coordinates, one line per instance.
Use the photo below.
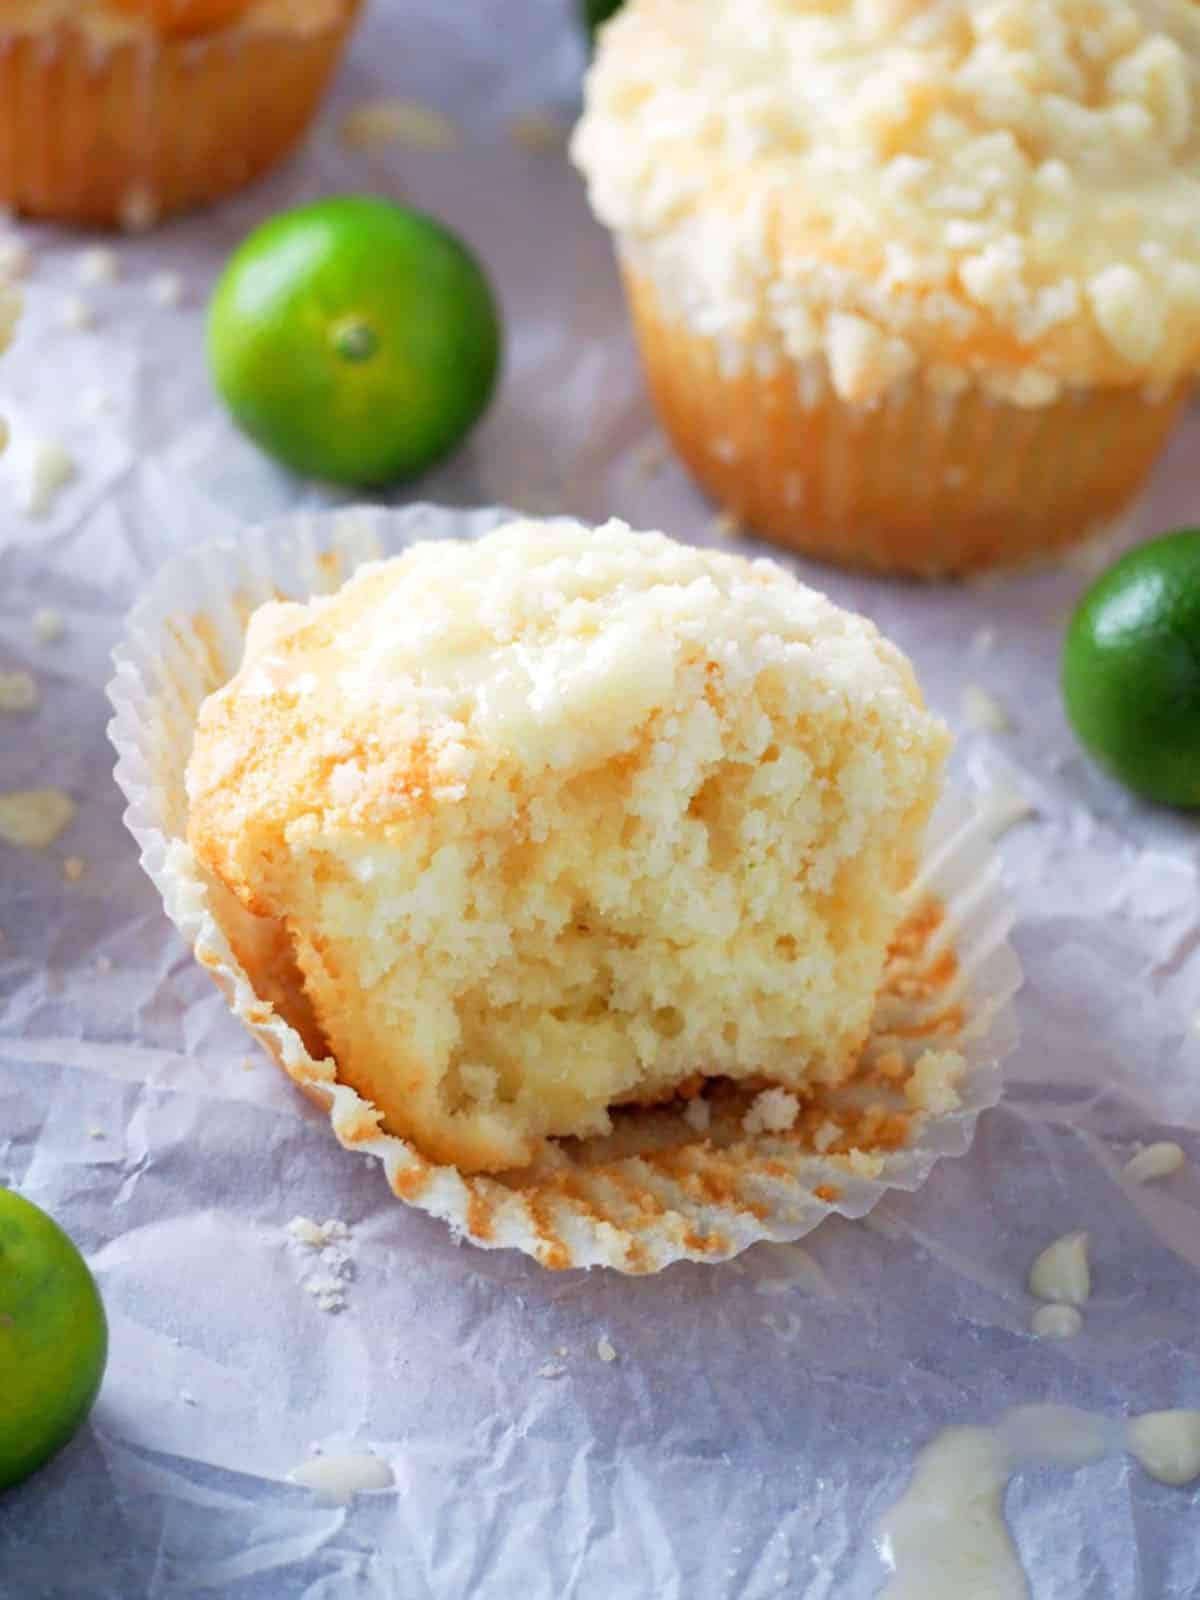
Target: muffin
(121, 111)
(916, 285)
(562, 820)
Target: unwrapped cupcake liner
(682, 1182)
(923, 480)
(127, 128)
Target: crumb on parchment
(32, 819)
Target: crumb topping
(1008, 189)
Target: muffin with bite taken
(117, 112)
(563, 820)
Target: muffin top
(546, 643)
(117, 19)
(1009, 188)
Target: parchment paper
(758, 1415)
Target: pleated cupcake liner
(669, 1183)
(919, 481)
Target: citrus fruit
(354, 339)
(53, 1338)
(597, 11)
(1131, 669)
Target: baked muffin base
(660, 1188)
(123, 133)
(922, 483)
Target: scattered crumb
(76, 313)
(983, 640)
(46, 467)
(48, 625)
(605, 1350)
(330, 1240)
(104, 964)
(1155, 1161)
(1056, 1322)
(1061, 1272)
(98, 265)
(1002, 805)
(536, 132)
(168, 289)
(34, 818)
(139, 210)
(248, 1063)
(864, 1163)
(188, 1398)
(327, 1292)
(338, 1261)
(772, 1111)
(316, 1235)
(552, 1369)
(562, 1350)
(697, 1114)
(725, 525)
(982, 711)
(18, 692)
(95, 1133)
(73, 868)
(377, 123)
(16, 258)
(826, 1136)
(931, 1086)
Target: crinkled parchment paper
(758, 1415)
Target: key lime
(355, 340)
(1131, 669)
(597, 11)
(53, 1338)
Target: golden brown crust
(145, 140)
(924, 484)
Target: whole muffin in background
(916, 284)
(565, 819)
(118, 112)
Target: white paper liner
(656, 1191)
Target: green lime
(354, 339)
(1131, 669)
(53, 1338)
(597, 11)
